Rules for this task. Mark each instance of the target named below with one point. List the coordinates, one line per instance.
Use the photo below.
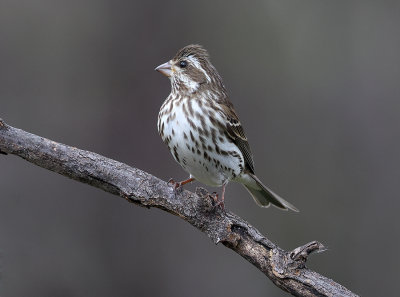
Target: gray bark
(285, 269)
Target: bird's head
(190, 70)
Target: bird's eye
(183, 64)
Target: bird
(202, 130)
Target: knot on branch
(208, 210)
(205, 202)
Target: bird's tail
(264, 196)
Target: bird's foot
(178, 186)
(173, 183)
(216, 201)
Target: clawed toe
(173, 183)
(214, 196)
(216, 202)
(177, 186)
(221, 205)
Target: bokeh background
(316, 84)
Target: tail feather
(264, 196)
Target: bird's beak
(165, 69)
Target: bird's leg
(177, 185)
(189, 180)
(220, 202)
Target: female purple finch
(202, 130)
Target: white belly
(205, 154)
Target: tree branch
(287, 270)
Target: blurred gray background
(316, 85)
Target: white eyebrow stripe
(196, 64)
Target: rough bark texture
(287, 270)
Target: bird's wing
(236, 133)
